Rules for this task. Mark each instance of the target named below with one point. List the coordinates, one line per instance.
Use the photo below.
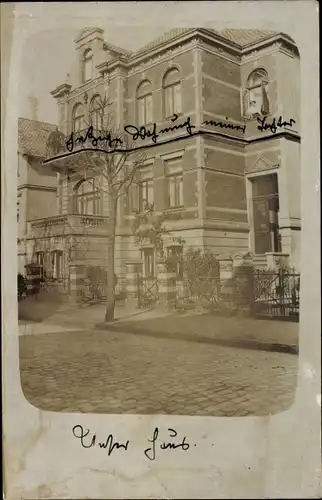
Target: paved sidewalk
(196, 326)
(44, 318)
(242, 332)
(37, 328)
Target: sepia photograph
(159, 224)
(160, 191)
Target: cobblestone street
(114, 372)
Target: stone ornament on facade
(260, 165)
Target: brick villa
(236, 189)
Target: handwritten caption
(144, 132)
(154, 445)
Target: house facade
(36, 186)
(234, 182)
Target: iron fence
(92, 291)
(276, 294)
(59, 285)
(147, 291)
(202, 291)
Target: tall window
(265, 212)
(144, 103)
(87, 198)
(255, 98)
(148, 262)
(172, 93)
(57, 264)
(146, 197)
(96, 113)
(175, 182)
(87, 65)
(78, 118)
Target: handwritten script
(274, 125)
(88, 439)
(152, 132)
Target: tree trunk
(110, 299)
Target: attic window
(87, 65)
(256, 94)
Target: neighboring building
(235, 190)
(37, 187)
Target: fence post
(274, 259)
(166, 285)
(133, 270)
(76, 275)
(243, 271)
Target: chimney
(33, 101)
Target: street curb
(241, 344)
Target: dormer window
(88, 65)
(255, 96)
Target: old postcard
(161, 253)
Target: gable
(260, 165)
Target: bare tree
(112, 161)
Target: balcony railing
(65, 224)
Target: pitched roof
(246, 37)
(32, 136)
(241, 37)
(169, 35)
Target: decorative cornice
(61, 91)
(219, 51)
(144, 64)
(37, 187)
(269, 47)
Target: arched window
(87, 197)
(87, 65)
(96, 113)
(255, 97)
(78, 118)
(144, 103)
(172, 93)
